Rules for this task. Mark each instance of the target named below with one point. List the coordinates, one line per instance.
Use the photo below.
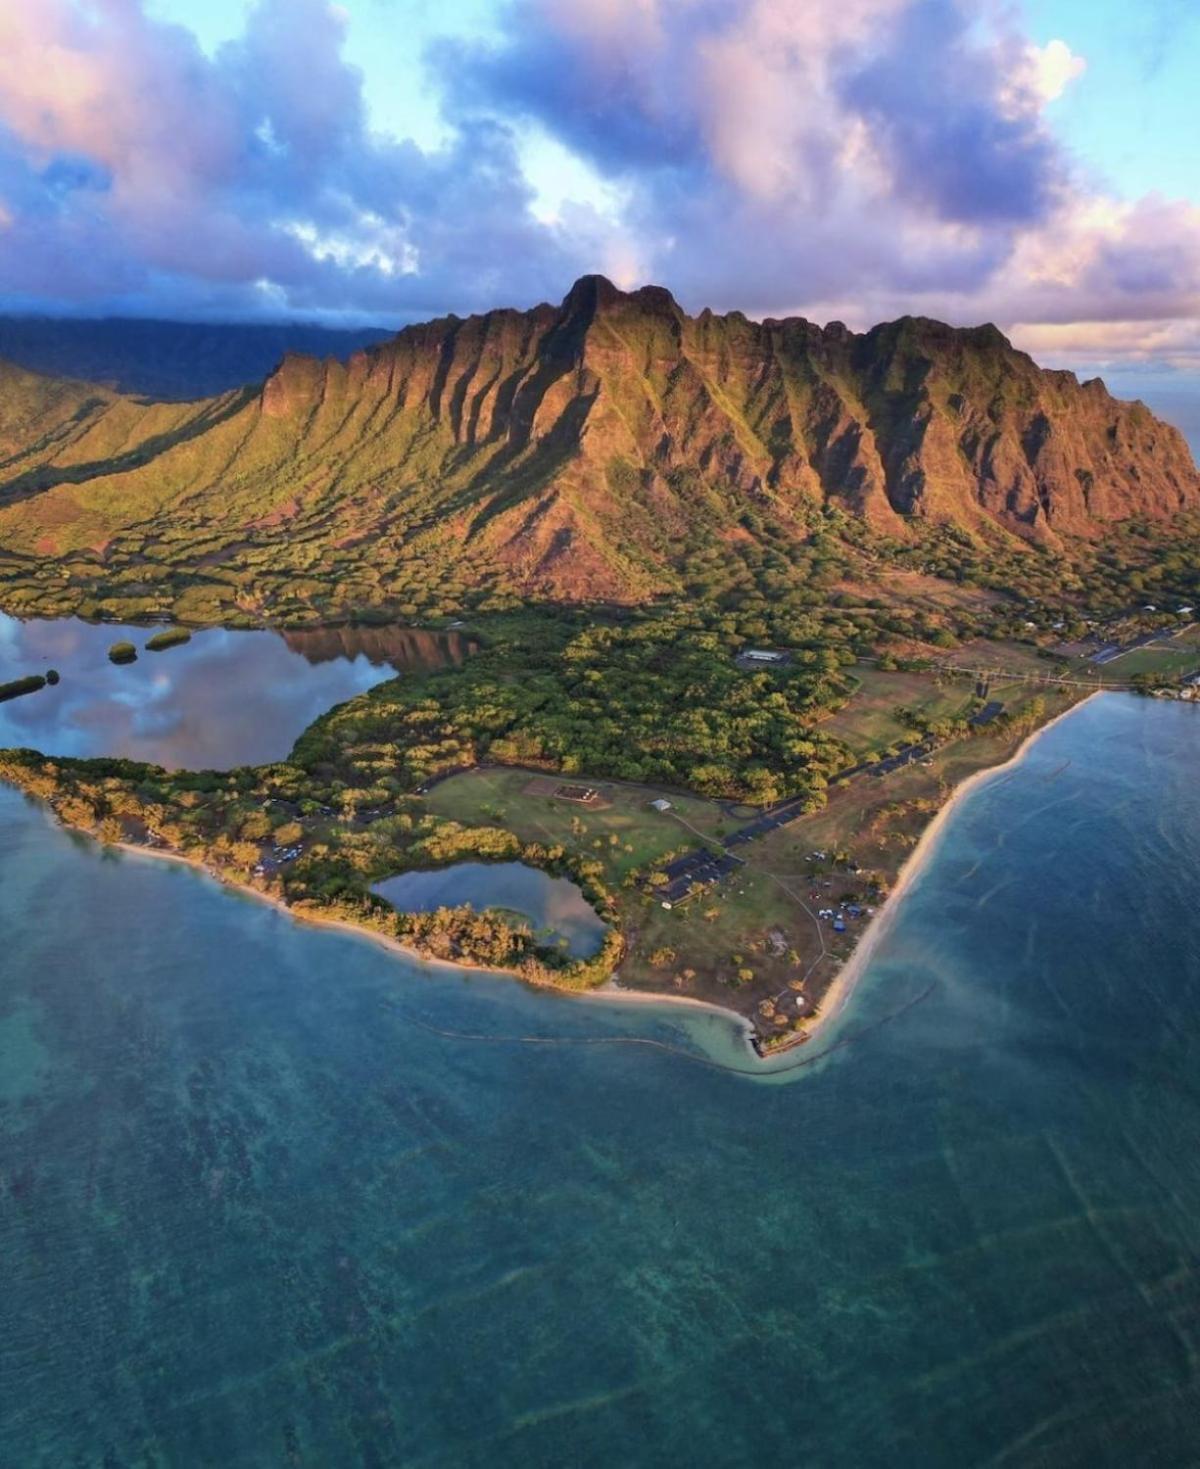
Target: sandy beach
(609, 993)
(357, 929)
(836, 997)
(846, 979)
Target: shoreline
(832, 1005)
(360, 930)
(846, 980)
(609, 992)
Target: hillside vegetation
(610, 449)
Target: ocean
(271, 1196)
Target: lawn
(1009, 657)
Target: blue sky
(391, 159)
(1132, 116)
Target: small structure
(584, 795)
(660, 805)
(762, 655)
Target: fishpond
(224, 698)
(554, 905)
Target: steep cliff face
(570, 450)
(913, 418)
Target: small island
(122, 652)
(169, 638)
(16, 687)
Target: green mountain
(581, 452)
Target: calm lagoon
(253, 1211)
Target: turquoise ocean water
(252, 1213)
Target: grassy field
(623, 831)
(870, 722)
(753, 942)
(1180, 655)
(1001, 658)
(1165, 661)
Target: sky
(384, 161)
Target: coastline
(136, 850)
(832, 1004)
(610, 992)
(834, 1001)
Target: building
(762, 655)
(660, 805)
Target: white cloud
(1052, 68)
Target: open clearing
(1168, 659)
(622, 832)
(871, 722)
(752, 941)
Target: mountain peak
(596, 294)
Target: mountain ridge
(172, 360)
(570, 453)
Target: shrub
(170, 638)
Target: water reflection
(223, 699)
(550, 903)
(403, 648)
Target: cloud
(840, 158)
(1094, 345)
(860, 158)
(136, 171)
(1052, 68)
